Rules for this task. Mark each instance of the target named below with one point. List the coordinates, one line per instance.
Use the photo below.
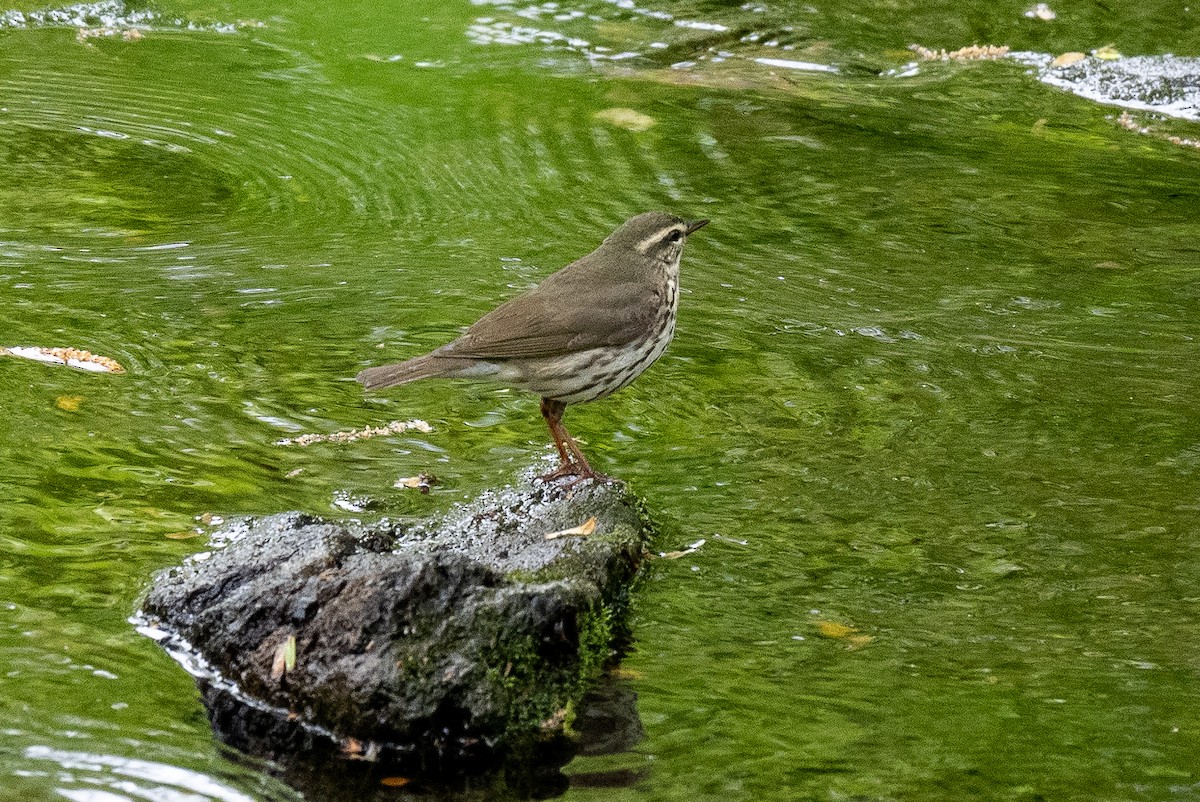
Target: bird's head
(656, 235)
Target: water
(930, 404)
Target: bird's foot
(578, 473)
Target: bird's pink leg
(571, 459)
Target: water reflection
(88, 777)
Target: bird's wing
(535, 325)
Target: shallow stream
(931, 406)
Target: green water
(934, 377)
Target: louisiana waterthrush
(582, 334)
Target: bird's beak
(695, 226)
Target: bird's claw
(581, 474)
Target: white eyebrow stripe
(654, 238)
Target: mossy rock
(435, 645)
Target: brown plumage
(582, 334)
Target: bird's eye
(675, 236)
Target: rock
(1164, 84)
(437, 646)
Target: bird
(583, 333)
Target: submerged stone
(1165, 84)
(439, 646)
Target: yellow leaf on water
(394, 782)
(832, 629)
(1108, 53)
(629, 119)
(583, 530)
(69, 403)
(185, 535)
(843, 632)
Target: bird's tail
(421, 367)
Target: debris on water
(422, 482)
(1041, 12)
(343, 500)
(367, 432)
(1107, 53)
(969, 53)
(692, 549)
(184, 535)
(71, 357)
(126, 34)
(1128, 122)
(69, 403)
(835, 631)
(629, 119)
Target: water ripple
(619, 30)
(91, 146)
(128, 778)
(203, 159)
